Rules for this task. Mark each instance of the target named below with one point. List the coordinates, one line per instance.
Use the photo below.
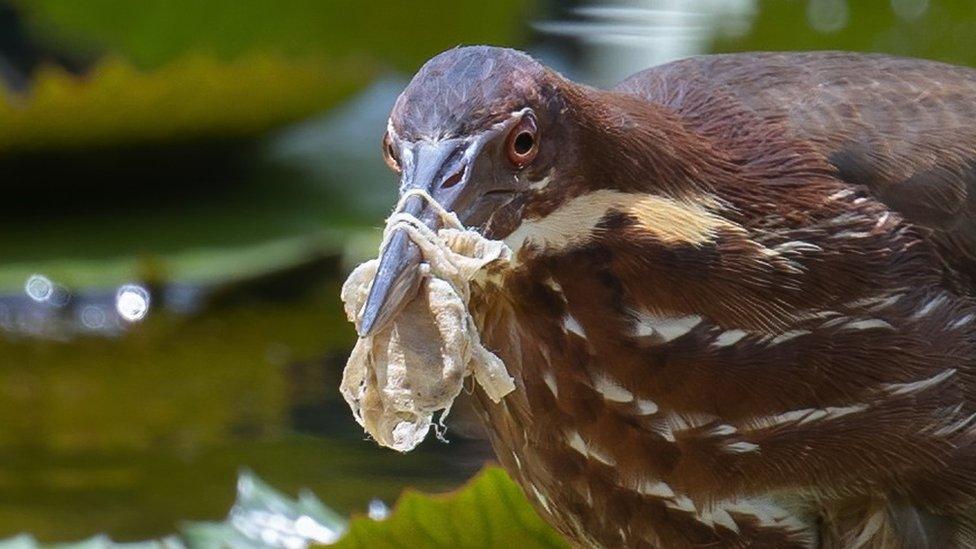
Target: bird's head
(478, 128)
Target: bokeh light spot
(39, 288)
(132, 302)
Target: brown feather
(901, 129)
(755, 326)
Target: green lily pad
(153, 32)
(193, 98)
(490, 511)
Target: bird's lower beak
(397, 278)
(434, 167)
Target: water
(130, 433)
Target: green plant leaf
(489, 511)
(153, 32)
(192, 98)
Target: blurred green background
(218, 163)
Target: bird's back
(902, 129)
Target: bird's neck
(633, 145)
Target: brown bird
(742, 306)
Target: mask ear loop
(418, 231)
(448, 217)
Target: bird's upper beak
(445, 169)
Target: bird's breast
(688, 430)
(594, 445)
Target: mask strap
(448, 217)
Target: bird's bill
(443, 169)
(397, 279)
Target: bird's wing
(903, 130)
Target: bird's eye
(390, 153)
(523, 142)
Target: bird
(741, 305)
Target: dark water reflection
(132, 432)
